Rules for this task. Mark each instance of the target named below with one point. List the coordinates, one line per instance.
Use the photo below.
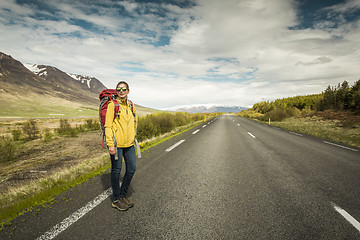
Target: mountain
(48, 80)
(33, 90)
(53, 74)
(207, 109)
(24, 93)
(92, 83)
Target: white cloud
(349, 5)
(247, 42)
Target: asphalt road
(230, 178)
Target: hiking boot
(120, 204)
(128, 202)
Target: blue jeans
(130, 164)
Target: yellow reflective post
(204, 118)
(269, 121)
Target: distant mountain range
(37, 89)
(16, 76)
(207, 109)
(40, 90)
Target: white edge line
(196, 131)
(174, 146)
(347, 216)
(67, 222)
(340, 146)
(204, 126)
(297, 134)
(251, 135)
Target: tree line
(342, 97)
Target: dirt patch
(37, 158)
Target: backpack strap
(132, 110)
(116, 108)
(135, 140)
(132, 107)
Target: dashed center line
(251, 135)
(347, 216)
(238, 124)
(175, 145)
(196, 131)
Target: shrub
(16, 134)
(7, 149)
(306, 112)
(92, 124)
(277, 114)
(349, 122)
(153, 125)
(47, 135)
(66, 129)
(64, 126)
(146, 130)
(30, 130)
(292, 112)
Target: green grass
(326, 129)
(29, 109)
(51, 108)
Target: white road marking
(204, 126)
(67, 222)
(196, 131)
(347, 216)
(238, 125)
(251, 135)
(175, 145)
(297, 134)
(341, 146)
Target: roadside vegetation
(38, 162)
(332, 115)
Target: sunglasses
(124, 89)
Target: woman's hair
(123, 82)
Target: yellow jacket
(122, 127)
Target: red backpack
(105, 97)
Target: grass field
(47, 106)
(331, 130)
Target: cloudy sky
(185, 52)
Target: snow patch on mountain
(36, 69)
(81, 78)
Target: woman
(120, 136)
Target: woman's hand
(112, 150)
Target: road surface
(229, 178)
